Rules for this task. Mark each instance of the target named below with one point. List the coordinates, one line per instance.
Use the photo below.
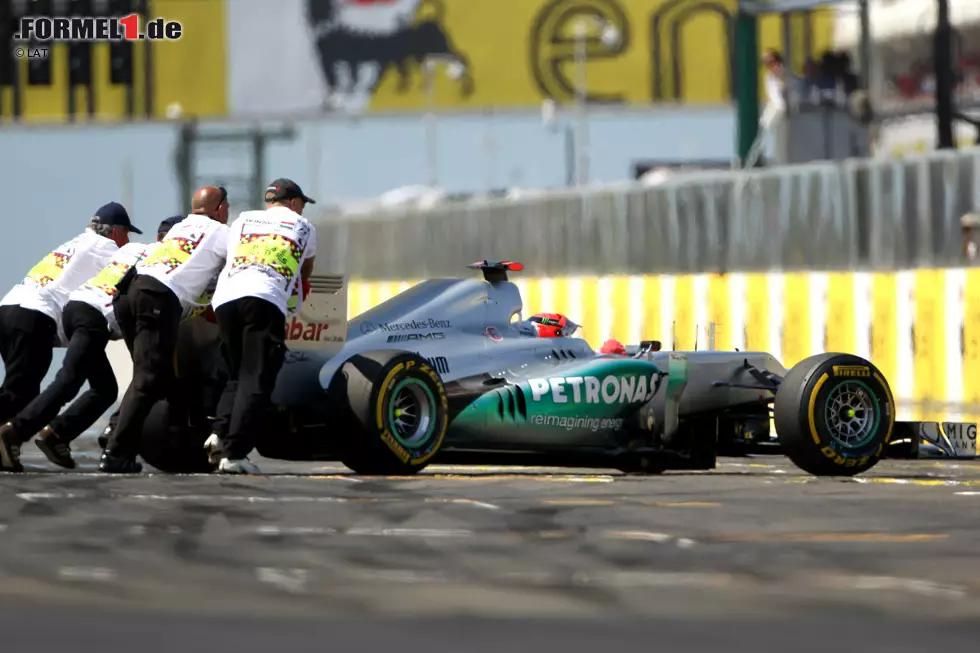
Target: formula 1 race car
(447, 371)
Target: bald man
(167, 288)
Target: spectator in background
(833, 78)
(845, 70)
(970, 223)
(776, 87)
(783, 86)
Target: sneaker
(242, 466)
(104, 438)
(54, 448)
(111, 464)
(212, 446)
(9, 449)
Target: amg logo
(407, 337)
(851, 370)
(439, 364)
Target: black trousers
(152, 320)
(27, 340)
(123, 311)
(254, 345)
(85, 360)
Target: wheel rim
(852, 414)
(411, 412)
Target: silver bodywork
(471, 327)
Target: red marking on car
(299, 330)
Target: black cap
(166, 225)
(115, 214)
(286, 189)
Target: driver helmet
(613, 346)
(552, 325)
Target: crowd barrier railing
(863, 214)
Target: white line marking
(101, 574)
(581, 578)
(652, 579)
(471, 502)
(298, 530)
(410, 532)
(232, 497)
(967, 494)
(660, 538)
(270, 530)
(913, 585)
(400, 576)
(37, 496)
(289, 580)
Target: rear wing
(321, 322)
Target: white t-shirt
(48, 285)
(266, 251)
(188, 257)
(100, 289)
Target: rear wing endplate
(321, 322)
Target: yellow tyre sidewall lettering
(403, 454)
(443, 424)
(891, 409)
(811, 408)
(386, 435)
(849, 371)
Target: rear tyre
(834, 415)
(172, 450)
(398, 412)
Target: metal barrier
(857, 214)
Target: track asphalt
(753, 556)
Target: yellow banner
(516, 53)
(189, 73)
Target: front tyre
(399, 413)
(834, 415)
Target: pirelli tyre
(398, 412)
(834, 415)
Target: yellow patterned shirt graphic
(268, 250)
(49, 269)
(292, 304)
(203, 301)
(173, 252)
(109, 277)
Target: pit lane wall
(920, 327)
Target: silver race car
(449, 371)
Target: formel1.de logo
(68, 29)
